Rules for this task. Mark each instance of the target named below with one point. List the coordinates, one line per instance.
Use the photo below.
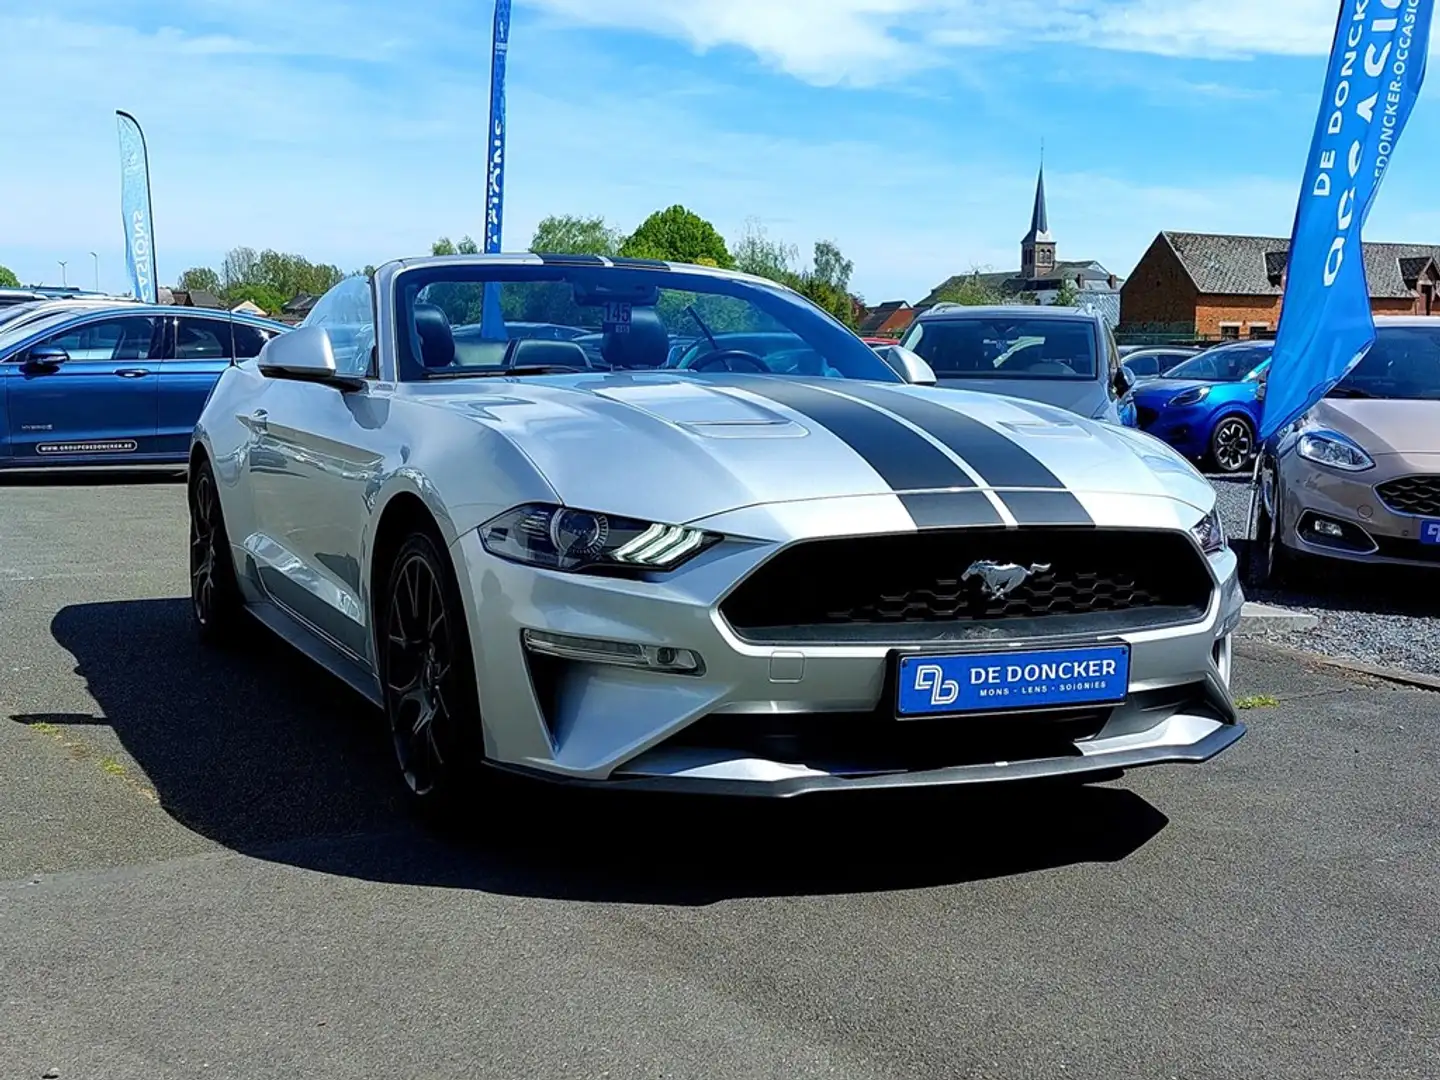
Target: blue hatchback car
(1206, 407)
(115, 386)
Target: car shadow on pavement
(266, 755)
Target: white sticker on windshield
(617, 316)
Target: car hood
(1383, 425)
(1079, 396)
(679, 448)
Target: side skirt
(329, 656)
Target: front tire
(216, 606)
(1232, 445)
(428, 671)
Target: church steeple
(1037, 250)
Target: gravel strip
(1378, 615)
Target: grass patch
(1257, 701)
(111, 766)
(45, 729)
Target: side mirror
(306, 354)
(908, 366)
(46, 357)
(1124, 381)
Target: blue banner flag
(135, 208)
(495, 171)
(492, 321)
(1377, 64)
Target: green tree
(262, 296)
(755, 253)
(972, 290)
(240, 267)
(8, 280)
(570, 234)
(678, 235)
(446, 246)
(202, 278)
(1067, 294)
(832, 268)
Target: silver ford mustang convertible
(654, 526)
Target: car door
(97, 401)
(1121, 403)
(314, 454)
(201, 347)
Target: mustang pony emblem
(1001, 579)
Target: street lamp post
(97, 270)
(63, 282)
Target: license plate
(1430, 531)
(1013, 681)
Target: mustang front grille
(1412, 495)
(927, 581)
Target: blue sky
(908, 131)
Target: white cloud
(868, 42)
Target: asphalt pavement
(204, 872)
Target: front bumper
(779, 721)
(1187, 428)
(1373, 533)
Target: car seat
(437, 341)
(642, 343)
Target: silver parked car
(762, 563)
(1060, 356)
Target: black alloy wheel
(215, 601)
(1232, 444)
(430, 694)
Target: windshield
(1006, 347)
(477, 319)
(1403, 363)
(1223, 364)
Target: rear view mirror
(307, 354)
(46, 357)
(1124, 381)
(908, 366)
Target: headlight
(1193, 396)
(1335, 450)
(1210, 532)
(564, 538)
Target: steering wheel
(723, 359)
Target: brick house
(889, 319)
(1219, 287)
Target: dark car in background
(1058, 356)
(121, 384)
(1153, 362)
(1206, 407)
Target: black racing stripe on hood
(906, 461)
(1045, 508)
(950, 509)
(1000, 461)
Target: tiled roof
(1010, 283)
(1253, 265)
(878, 316)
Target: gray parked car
(1058, 356)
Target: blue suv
(1206, 408)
